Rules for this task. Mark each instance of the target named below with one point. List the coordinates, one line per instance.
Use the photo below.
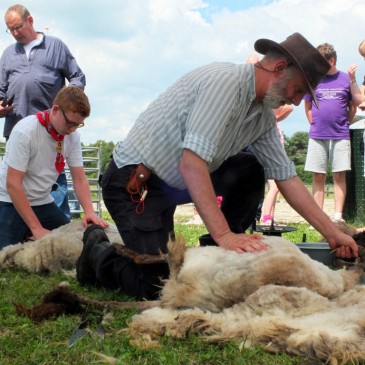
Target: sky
(132, 50)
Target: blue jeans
(59, 194)
(13, 228)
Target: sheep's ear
(359, 238)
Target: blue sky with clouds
(131, 50)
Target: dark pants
(13, 228)
(239, 180)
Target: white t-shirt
(36, 42)
(32, 149)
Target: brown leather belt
(138, 177)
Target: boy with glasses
(35, 154)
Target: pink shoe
(267, 219)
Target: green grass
(192, 233)
(25, 343)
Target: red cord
(142, 195)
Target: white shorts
(323, 151)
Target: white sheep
(58, 250)
(279, 298)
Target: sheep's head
(359, 262)
(359, 238)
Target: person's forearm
(82, 189)
(299, 198)
(83, 193)
(352, 111)
(197, 179)
(284, 111)
(362, 105)
(21, 204)
(297, 195)
(308, 114)
(357, 96)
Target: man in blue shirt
(33, 69)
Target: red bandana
(43, 118)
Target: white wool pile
(279, 298)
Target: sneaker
(266, 220)
(341, 220)
(276, 224)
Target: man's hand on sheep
(242, 243)
(344, 245)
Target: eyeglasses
(71, 124)
(18, 28)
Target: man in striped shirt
(186, 147)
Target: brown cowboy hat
(306, 57)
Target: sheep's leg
(139, 258)
(140, 306)
(62, 300)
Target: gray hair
(19, 9)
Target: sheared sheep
(213, 278)
(58, 250)
(279, 298)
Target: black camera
(7, 102)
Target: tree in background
(106, 152)
(296, 147)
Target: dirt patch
(284, 213)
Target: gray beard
(274, 97)
(272, 101)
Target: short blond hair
(362, 48)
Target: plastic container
(319, 251)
